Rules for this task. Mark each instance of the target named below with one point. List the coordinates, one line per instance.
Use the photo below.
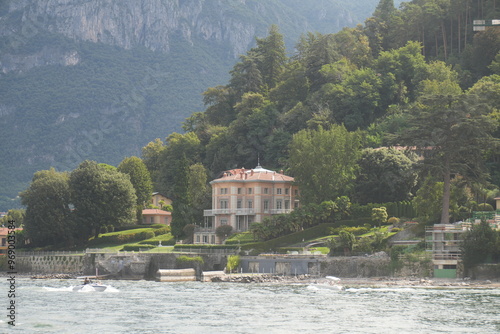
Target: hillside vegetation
(78, 80)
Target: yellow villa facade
(243, 196)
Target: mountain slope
(99, 79)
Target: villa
(242, 196)
(444, 241)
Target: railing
(280, 211)
(47, 253)
(244, 212)
(223, 251)
(446, 256)
(217, 212)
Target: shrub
(485, 207)
(393, 221)
(136, 247)
(163, 230)
(354, 230)
(188, 261)
(111, 228)
(144, 235)
(233, 262)
(224, 231)
(103, 229)
(396, 230)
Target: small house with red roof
(156, 216)
(4, 243)
(242, 196)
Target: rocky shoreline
(373, 282)
(368, 282)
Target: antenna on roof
(258, 161)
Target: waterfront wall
(50, 264)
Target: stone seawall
(122, 265)
(50, 264)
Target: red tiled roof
(256, 174)
(155, 212)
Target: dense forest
(416, 76)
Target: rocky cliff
(232, 24)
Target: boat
(332, 283)
(90, 287)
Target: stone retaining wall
(50, 264)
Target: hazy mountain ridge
(99, 79)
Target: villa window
(266, 191)
(223, 204)
(287, 204)
(250, 204)
(239, 191)
(286, 191)
(266, 205)
(238, 204)
(223, 221)
(279, 204)
(278, 191)
(223, 191)
(249, 191)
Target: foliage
(136, 247)
(454, 132)
(233, 262)
(347, 241)
(224, 231)
(183, 261)
(16, 215)
(323, 162)
(379, 215)
(356, 230)
(386, 175)
(48, 218)
(393, 221)
(240, 238)
(478, 245)
(301, 218)
(100, 197)
(141, 180)
(189, 233)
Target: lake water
(49, 306)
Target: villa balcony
(238, 212)
(280, 211)
(214, 212)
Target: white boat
(90, 287)
(332, 283)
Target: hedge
(136, 247)
(188, 261)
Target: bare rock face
(129, 23)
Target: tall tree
(454, 131)
(151, 155)
(386, 175)
(101, 197)
(47, 201)
(181, 214)
(323, 162)
(199, 192)
(141, 180)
